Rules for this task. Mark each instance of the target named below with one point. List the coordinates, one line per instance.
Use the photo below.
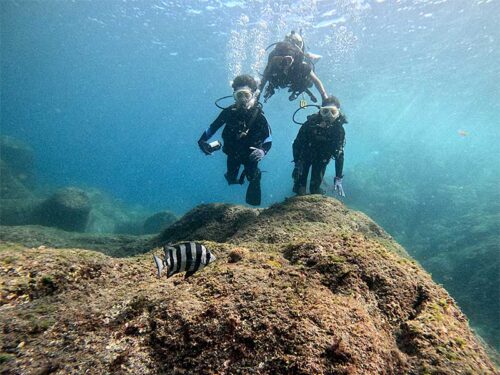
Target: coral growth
(304, 287)
(450, 225)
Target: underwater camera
(214, 146)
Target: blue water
(114, 95)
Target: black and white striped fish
(188, 256)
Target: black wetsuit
(243, 129)
(296, 79)
(316, 143)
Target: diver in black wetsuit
(320, 138)
(246, 137)
(289, 66)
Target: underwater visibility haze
(114, 95)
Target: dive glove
(257, 154)
(338, 186)
(205, 147)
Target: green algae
(6, 357)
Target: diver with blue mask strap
(246, 137)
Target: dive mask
(244, 97)
(329, 112)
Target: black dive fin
(253, 193)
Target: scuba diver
(289, 66)
(320, 138)
(246, 137)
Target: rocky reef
(17, 181)
(37, 236)
(71, 208)
(17, 168)
(451, 226)
(158, 222)
(303, 287)
(66, 209)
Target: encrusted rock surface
(17, 165)
(115, 245)
(158, 222)
(67, 209)
(304, 287)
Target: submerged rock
(111, 215)
(18, 211)
(452, 228)
(17, 167)
(10, 186)
(303, 287)
(66, 209)
(158, 222)
(215, 222)
(17, 180)
(115, 245)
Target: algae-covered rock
(18, 211)
(111, 215)
(295, 219)
(17, 180)
(158, 222)
(216, 222)
(17, 167)
(451, 226)
(66, 209)
(10, 186)
(326, 295)
(116, 245)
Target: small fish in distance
(186, 256)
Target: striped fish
(186, 257)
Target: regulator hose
(301, 108)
